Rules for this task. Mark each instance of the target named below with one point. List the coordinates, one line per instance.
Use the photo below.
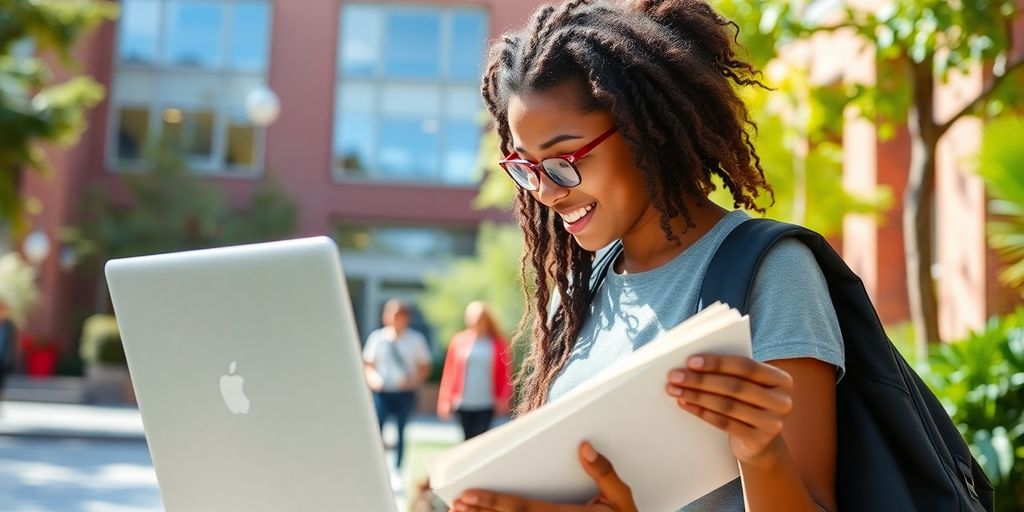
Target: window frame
(221, 106)
(459, 236)
(379, 80)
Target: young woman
(614, 116)
(475, 382)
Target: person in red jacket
(476, 381)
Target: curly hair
(667, 73)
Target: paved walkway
(48, 449)
(74, 421)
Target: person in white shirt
(396, 360)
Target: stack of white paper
(666, 455)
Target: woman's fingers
(746, 399)
(730, 425)
(767, 421)
(683, 383)
(614, 494)
(744, 367)
(482, 501)
(613, 491)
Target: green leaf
(56, 113)
(1000, 161)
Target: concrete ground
(83, 458)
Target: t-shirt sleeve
(791, 311)
(370, 349)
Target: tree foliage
(917, 45)
(1001, 164)
(492, 275)
(35, 108)
(169, 209)
(980, 381)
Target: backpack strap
(602, 264)
(599, 269)
(730, 275)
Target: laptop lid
(247, 370)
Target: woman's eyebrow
(554, 140)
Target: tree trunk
(919, 210)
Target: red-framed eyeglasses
(560, 169)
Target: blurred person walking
(396, 360)
(476, 381)
(8, 335)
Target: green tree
(492, 275)
(1001, 164)
(34, 107)
(917, 44)
(796, 140)
(168, 209)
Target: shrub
(101, 341)
(980, 381)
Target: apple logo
(231, 390)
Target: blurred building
(378, 133)
(379, 128)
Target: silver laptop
(246, 365)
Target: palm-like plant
(1001, 164)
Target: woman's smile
(576, 218)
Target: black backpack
(897, 449)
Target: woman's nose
(548, 191)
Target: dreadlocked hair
(667, 73)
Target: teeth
(578, 214)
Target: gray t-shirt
(478, 384)
(791, 316)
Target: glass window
(193, 33)
(466, 54)
(241, 137)
(250, 36)
(416, 242)
(413, 45)
(360, 40)
(357, 238)
(408, 147)
(189, 131)
(410, 241)
(409, 86)
(202, 58)
(463, 102)
(354, 144)
(132, 132)
(404, 99)
(462, 142)
(139, 32)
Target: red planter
(40, 358)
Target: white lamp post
(36, 247)
(262, 106)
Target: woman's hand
(747, 399)
(613, 494)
